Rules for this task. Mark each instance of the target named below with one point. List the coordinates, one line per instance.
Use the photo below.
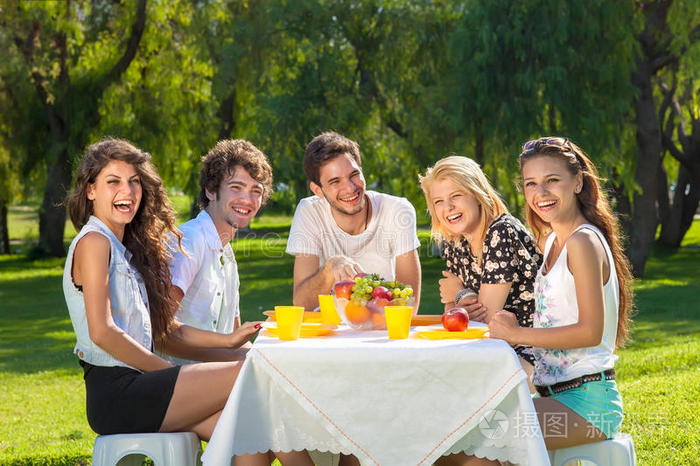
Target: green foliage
(411, 81)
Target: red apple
(377, 304)
(343, 289)
(455, 319)
(382, 292)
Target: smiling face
(116, 195)
(342, 185)
(456, 210)
(550, 188)
(235, 204)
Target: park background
(411, 81)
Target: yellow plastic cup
(329, 315)
(289, 319)
(398, 321)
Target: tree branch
(674, 151)
(132, 45)
(668, 96)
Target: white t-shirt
(208, 277)
(556, 306)
(391, 232)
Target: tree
(661, 48)
(680, 119)
(69, 52)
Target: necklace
(369, 204)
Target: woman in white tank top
(582, 295)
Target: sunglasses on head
(536, 145)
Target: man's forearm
(306, 293)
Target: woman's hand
(244, 333)
(476, 310)
(504, 325)
(449, 286)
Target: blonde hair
(468, 177)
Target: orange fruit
(378, 320)
(356, 313)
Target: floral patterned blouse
(509, 256)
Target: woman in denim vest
(116, 284)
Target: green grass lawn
(42, 412)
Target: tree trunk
(662, 192)
(227, 115)
(52, 216)
(685, 203)
(644, 219)
(61, 115)
(479, 149)
(4, 233)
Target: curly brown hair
(595, 207)
(149, 236)
(222, 161)
(324, 147)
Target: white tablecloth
(388, 402)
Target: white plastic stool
(618, 451)
(172, 449)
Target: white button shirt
(208, 277)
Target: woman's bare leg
(258, 459)
(348, 460)
(460, 459)
(562, 427)
(294, 458)
(529, 368)
(191, 409)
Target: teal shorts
(599, 403)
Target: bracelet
(462, 293)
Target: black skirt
(122, 400)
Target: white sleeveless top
(556, 306)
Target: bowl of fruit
(360, 302)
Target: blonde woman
(486, 249)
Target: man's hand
(342, 268)
(244, 333)
(449, 286)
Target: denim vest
(127, 295)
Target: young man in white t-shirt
(343, 229)
(235, 181)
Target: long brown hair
(146, 236)
(595, 207)
(466, 174)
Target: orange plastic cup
(289, 319)
(398, 321)
(329, 315)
